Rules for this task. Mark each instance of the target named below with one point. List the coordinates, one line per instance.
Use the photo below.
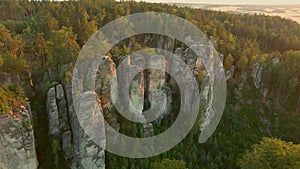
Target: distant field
(285, 11)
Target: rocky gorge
(64, 129)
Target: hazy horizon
(231, 2)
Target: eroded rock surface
(17, 143)
(64, 125)
(257, 75)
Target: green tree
(1, 61)
(45, 23)
(170, 164)
(82, 26)
(63, 48)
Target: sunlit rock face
(87, 153)
(17, 143)
(142, 93)
(137, 85)
(155, 83)
(105, 71)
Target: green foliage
(82, 26)
(282, 76)
(62, 47)
(39, 35)
(56, 150)
(66, 73)
(46, 86)
(1, 61)
(26, 123)
(170, 164)
(9, 100)
(271, 154)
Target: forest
(38, 38)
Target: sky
(233, 2)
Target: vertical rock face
(148, 130)
(230, 73)
(131, 71)
(10, 78)
(64, 126)
(63, 121)
(89, 155)
(53, 114)
(157, 82)
(62, 108)
(136, 88)
(17, 143)
(257, 75)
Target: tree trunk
(297, 109)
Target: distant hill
(285, 11)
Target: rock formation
(17, 143)
(257, 75)
(64, 126)
(143, 87)
(229, 73)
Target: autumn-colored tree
(228, 61)
(11, 50)
(271, 154)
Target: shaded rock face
(15, 79)
(10, 78)
(64, 126)
(17, 144)
(79, 148)
(229, 73)
(133, 99)
(243, 81)
(257, 75)
(53, 114)
(136, 88)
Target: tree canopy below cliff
(272, 153)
